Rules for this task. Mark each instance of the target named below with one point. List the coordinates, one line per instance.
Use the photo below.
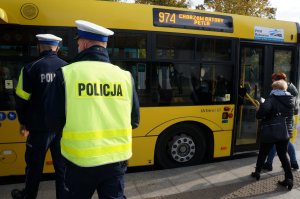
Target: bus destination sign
(192, 20)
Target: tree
(257, 8)
(174, 3)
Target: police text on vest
(47, 77)
(100, 89)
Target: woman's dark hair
(278, 76)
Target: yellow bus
(198, 74)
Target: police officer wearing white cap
(33, 80)
(97, 107)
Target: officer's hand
(23, 131)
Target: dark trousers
(36, 147)
(108, 180)
(281, 148)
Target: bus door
(250, 90)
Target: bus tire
(180, 145)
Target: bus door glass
(251, 85)
(283, 62)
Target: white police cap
(48, 39)
(92, 31)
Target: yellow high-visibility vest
(98, 114)
(19, 90)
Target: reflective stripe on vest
(98, 114)
(19, 90)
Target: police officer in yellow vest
(97, 105)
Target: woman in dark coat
(281, 101)
(291, 149)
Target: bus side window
(212, 84)
(128, 46)
(141, 77)
(221, 88)
(222, 83)
(141, 74)
(201, 93)
(164, 84)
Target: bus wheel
(180, 145)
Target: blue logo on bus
(11, 115)
(2, 116)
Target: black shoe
(18, 194)
(295, 166)
(255, 175)
(287, 183)
(268, 167)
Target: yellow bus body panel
(155, 120)
(12, 149)
(222, 143)
(10, 130)
(295, 132)
(3, 16)
(12, 160)
(125, 16)
(143, 151)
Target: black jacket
(55, 101)
(292, 89)
(36, 77)
(277, 103)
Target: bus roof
(115, 15)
